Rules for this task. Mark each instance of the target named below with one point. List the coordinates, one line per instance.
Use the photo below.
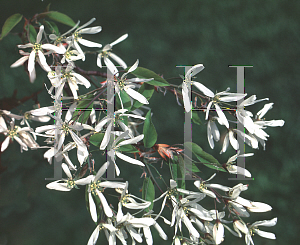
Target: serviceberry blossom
(70, 183)
(37, 55)
(76, 37)
(127, 84)
(15, 133)
(106, 53)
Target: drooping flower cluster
(119, 135)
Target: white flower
(260, 124)
(234, 169)
(128, 201)
(70, 183)
(96, 188)
(115, 119)
(115, 145)
(202, 186)
(212, 132)
(128, 84)
(253, 229)
(76, 37)
(102, 226)
(15, 133)
(106, 53)
(229, 137)
(66, 127)
(37, 54)
(243, 116)
(188, 80)
(218, 98)
(60, 76)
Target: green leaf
(83, 107)
(195, 118)
(128, 148)
(10, 23)
(148, 192)
(146, 90)
(96, 139)
(125, 99)
(150, 135)
(205, 158)
(32, 33)
(60, 17)
(52, 27)
(141, 72)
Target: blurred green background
(163, 35)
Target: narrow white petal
(54, 48)
(222, 116)
(232, 97)
(89, 43)
(99, 60)
(148, 235)
(204, 89)
(110, 66)
(101, 171)
(106, 208)
(264, 110)
(215, 131)
(129, 159)
(258, 207)
(31, 60)
(91, 30)
(58, 186)
(77, 140)
(43, 62)
(218, 233)
(82, 79)
(268, 223)
(112, 184)
(93, 209)
(136, 95)
(131, 141)
(210, 136)
(94, 237)
(265, 234)
(194, 71)
(186, 97)
(85, 181)
(189, 225)
(234, 143)
(100, 125)
(40, 34)
(44, 128)
(161, 233)
(19, 62)
(142, 222)
(106, 137)
(135, 65)
(66, 170)
(118, 60)
(5, 144)
(207, 109)
(120, 39)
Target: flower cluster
(118, 134)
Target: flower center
(13, 132)
(65, 127)
(71, 183)
(95, 186)
(37, 47)
(105, 54)
(76, 36)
